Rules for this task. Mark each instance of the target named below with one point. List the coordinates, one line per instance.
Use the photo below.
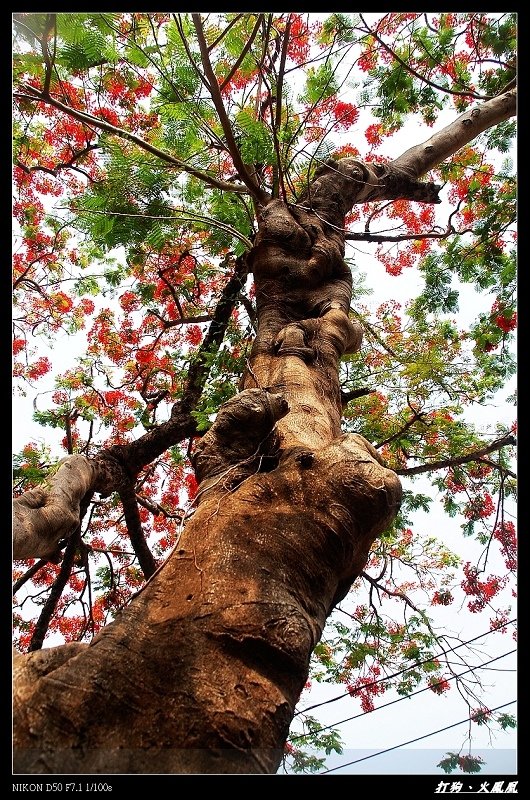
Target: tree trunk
(202, 671)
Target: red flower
(18, 345)
(108, 114)
(443, 598)
(39, 368)
(194, 334)
(507, 538)
(367, 61)
(506, 324)
(62, 302)
(144, 356)
(439, 686)
(480, 715)
(346, 114)
(87, 305)
(373, 134)
(191, 485)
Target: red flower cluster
(506, 324)
(298, 39)
(480, 715)
(18, 345)
(191, 485)
(479, 507)
(144, 356)
(484, 591)
(346, 114)
(439, 685)
(109, 115)
(454, 486)
(507, 538)
(367, 60)
(39, 368)
(367, 688)
(504, 318)
(373, 134)
(194, 334)
(129, 301)
(61, 302)
(443, 598)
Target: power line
(406, 697)
(411, 741)
(413, 664)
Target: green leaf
(256, 145)
(507, 721)
(321, 83)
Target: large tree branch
(70, 164)
(418, 416)
(48, 514)
(276, 118)
(29, 573)
(223, 33)
(49, 26)
(374, 584)
(421, 158)
(476, 455)
(135, 530)
(181, 424)
(243, 53)
(54, 596)
(399, 179)
(402, 237)
(348, 181)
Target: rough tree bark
(202, 671)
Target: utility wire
(406, 697)
(411, 741)
(413, 664)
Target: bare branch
(29, 574)
(476, 455)
(417, 417)
(49, 25)
(403, 237)
(261, 197)
(222, 35)
(375, 585)
(56, 591)
(421, 158)
(135, 530)
(62, 164)
(243, 53)
(345, 397)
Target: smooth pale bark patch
(47, 514)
